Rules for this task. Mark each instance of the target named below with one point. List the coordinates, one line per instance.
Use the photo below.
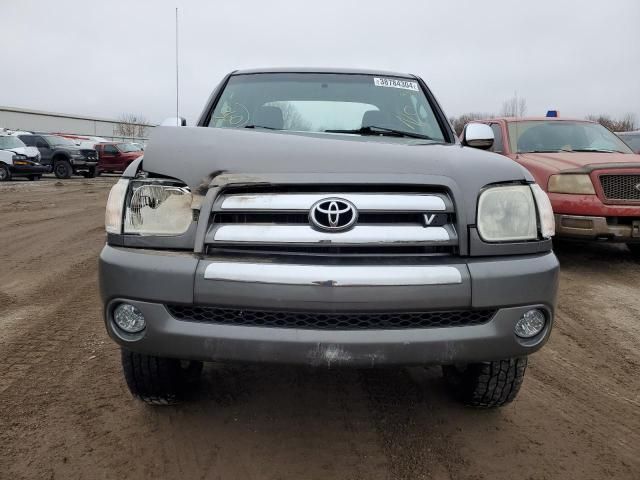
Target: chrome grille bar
(341, 276)
(395, 202)
(305, 235)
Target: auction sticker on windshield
(396, 83)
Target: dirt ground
(65, 412)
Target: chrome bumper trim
(579, 226)
(305, 235)
(363, 202)
(333, 276)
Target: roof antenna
(177, 76)
(515, 93)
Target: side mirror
(477, 135)
(174, 122)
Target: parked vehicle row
(591, 176)
(26, 154)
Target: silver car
(328, 218)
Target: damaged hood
(196, 155)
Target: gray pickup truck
(327, 218)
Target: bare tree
(514, 107)
(131, 125)
(292, 118)
(624, 124)
(458, 123)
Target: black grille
(330, 321)
(621, 187)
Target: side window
(41, 142)
(28, 140)
(110, 149)
(497, 138)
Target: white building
(49, 122)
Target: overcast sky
(110, 57)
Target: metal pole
(177, 77)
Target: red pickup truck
(592, 177)
(116, 156)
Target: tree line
(517, 107)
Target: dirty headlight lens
(576, 183)
(507, 213)
(158, 208)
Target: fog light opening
(129, 318)
(531, 323)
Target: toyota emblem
(333, 214)
(637, 187)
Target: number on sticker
(396, 83)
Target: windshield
(555, 136)
(7, 142)
(128, 147)
(321, 102)
(54, 140)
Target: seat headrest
(268, 117)
(373, 118)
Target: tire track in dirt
(65, 411)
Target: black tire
(5, 173)
(634, 248)
(34, 177)
(62, 169)
(487, 384)
(156, 380)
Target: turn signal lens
(115, 205)
(545, 212)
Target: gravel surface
(65, 412)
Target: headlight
(149, 207)
(576, 183)
(507, 213)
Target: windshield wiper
(373, 130)
(541, 151)
(261, 126)
(602, 150)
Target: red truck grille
(621, 187)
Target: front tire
(157, 380)
(62, 169)
(634, 248)
(486, 384)
(5, 173)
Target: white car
(14, 144)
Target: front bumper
(83, 163)
(597, 228)
(29, 169)
(151, 279)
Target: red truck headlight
(573, 183)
